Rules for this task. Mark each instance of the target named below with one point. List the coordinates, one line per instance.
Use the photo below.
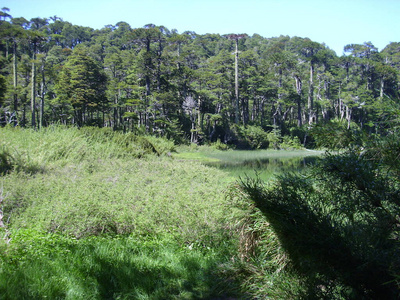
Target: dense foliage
(338, 223)
(188, 86)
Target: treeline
(188, 86)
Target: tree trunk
(33, 91)
(311, 116)
(348, 116)
(298, 89)
(236, 81)
(15, 75)
(42, 93)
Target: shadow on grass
(337, 260)
(117, 269)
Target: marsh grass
(124, 267)
(111, 216)
(116, 216)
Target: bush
(254, 136)
(339, 226)
(290, 143)
(335, 135)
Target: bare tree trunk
(33, 91)
(298, 89)
(348, 116)
(236, 81)
(15, 70)
(311, 96)
(42, 93)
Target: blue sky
(333, 22)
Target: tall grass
(108, 268)
(111, 216)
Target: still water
(264, 164)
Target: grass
(92, 214)
(110, 216)
(124, 267)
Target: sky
(333, 22)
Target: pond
(262, 163)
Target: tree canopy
(199, 87)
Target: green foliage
(274, 138)
(181, 86)
(52, 266)
(335, 135)
(11, 160)
(289, 142)
(218, 145)
(385, 151)
(254, 136)
(3, 89)
(338, 226)
(81, 84)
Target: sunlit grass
(111, 216)
(111, 268)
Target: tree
(82, 84)
(236, 38)
(35, 38)
(310, 50)
(3, 89)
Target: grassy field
(97, 215)
(93, 214)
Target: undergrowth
(122, 267)
(338, 226)
(110, 216)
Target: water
(263, 164)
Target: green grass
(93, 214)
(198, 156)
(124, 267)
(110, 216)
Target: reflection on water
(265, 168)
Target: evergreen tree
(82, 84)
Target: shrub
(339, 226)
(335, 135)
(254, 136)
(289, 142)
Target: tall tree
(82, 84)
(236, 38)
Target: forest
(232, 88)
